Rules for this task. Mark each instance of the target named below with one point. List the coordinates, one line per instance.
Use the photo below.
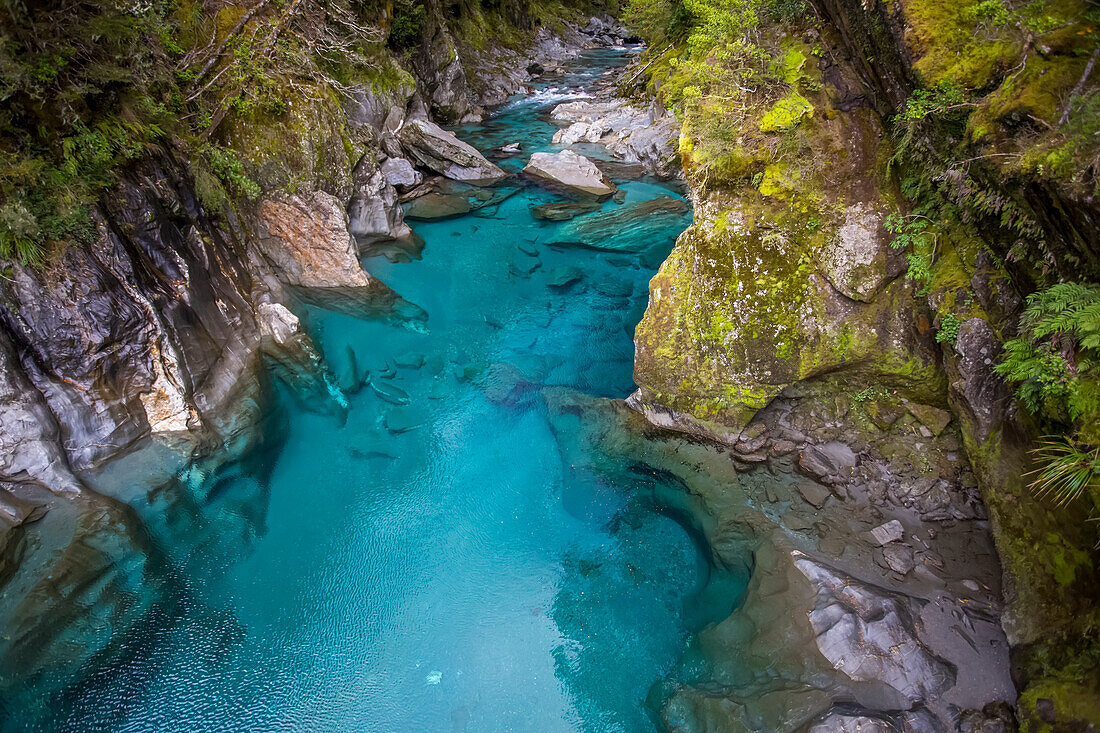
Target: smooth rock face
(147, 330)
(439, 150)
(374, 213)
(858, 259)
(307, 240)
(563, 211)
(574, 172)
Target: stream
(423, 559)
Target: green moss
(786, 113)
(1072, 701)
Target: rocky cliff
(888, 183)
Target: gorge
(521, 365)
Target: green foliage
(914, 233)
(939, 98)
(949, 328)
(1055, 362)
(1067, 471)
(408, 17)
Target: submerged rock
(629, 228)
(438, 206)
(563, 210)
(570, 170)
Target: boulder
(632, 227)
(570, 170)
(827, 461)
(884, 534)
(563, 210)
(400, 174)
(441, 151)
(438, 206)
(306, 239)
(562, 276)
(374, 213)
(587, 132)
(858, 260)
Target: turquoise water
(424, 559)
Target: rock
(510, 148)
(438, 206)
(400, 174)
(899, 558)
(827, 460)
(815, 494)
(574, 172)
(837, 723)
(933, 418)
(441, 151)
(374, 213)
(883, 414)
(390, 392)
(884, 534)
(559, 277)
(410, 360)
(535, 68)
(588, 132)
(404, 419)
(869, 637)
(563, 210)
(858, 259)
(629, 228)
(306, 239)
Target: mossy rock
(787, 113)
(311, 146)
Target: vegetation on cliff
(991, 167)
(87, 89)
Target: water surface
(423, 559)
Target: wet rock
(827, 461)
(891, 531)
(307, 241)
(899, 558)
(559, 277)
(404, 419)
(571, 171)
(815, 494)
(883, 413)
(510, 148)
(438, 206)
(866, 635)
(410, 360)
(933, 418)
(838, 723)
(389, 392)
(441, 151)
(563, 210)
(629, 228)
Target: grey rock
(859, 261)
(891, 531)
(571, 171)
(838, 723)
(899, 558)
(441, 151)
(563, 210)
(815, 494)
(438, 206)
(400, 174)
(374, 213)
(827, 461)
